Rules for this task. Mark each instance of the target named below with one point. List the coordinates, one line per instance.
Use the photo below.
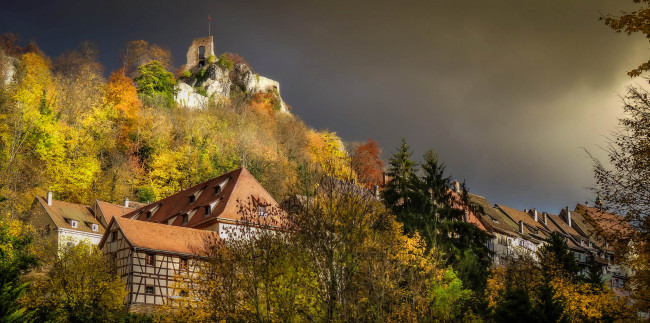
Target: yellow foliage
(326, 149)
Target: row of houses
(152, 244)
(585, 229)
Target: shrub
(212, 59)
(225, 62)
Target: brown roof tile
(611, 224)
(109, 210)
(224, 195)
(457, 202)
(161, 237)
(491, 216)
(62, 212)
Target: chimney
(126, 202)
(49, 198)
(466, 216)
(535, 215)
(544, 219)
(521, 227)
(456, 187)
(568, 216)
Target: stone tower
(199, 51)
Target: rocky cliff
(213, 82)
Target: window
(184, 293)
(186, 218)
(94, 227)
(183, 263)
(148, 290)
(114, 236)
(151, 259)
(74, 223)
(192, 198)
(207, 210)
(149, 214)
(261, 210)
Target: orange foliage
(266, 102)
(122, 95)
(367, 163)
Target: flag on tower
(209, 18)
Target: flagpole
(209, 21)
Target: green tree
(15, 260)
(401, 194)
(157, 85)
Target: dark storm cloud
(507, 92)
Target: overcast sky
(507, 92)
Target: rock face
(7, 69)
(210, 81)
(214, 82)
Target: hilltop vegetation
(68, 129)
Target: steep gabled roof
(610, 224)
(493, 219)
(220, 198)
(472, 217)
(161, 237)
(62, 213)
(532, 228)
(106, 211)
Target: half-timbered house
(153, 244)
(150, 258)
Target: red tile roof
(222, 198)
(610, 224)
(108, 210)
(457, 202)
(161, 237)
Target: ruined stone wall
(193, 51)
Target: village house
(70, 223)
(602, 227)
(153, 244)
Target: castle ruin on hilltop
(198, 52)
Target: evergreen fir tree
(401, 191)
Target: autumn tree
(16, 259)
(140, 52)
(76, 283)
(328, 152)
(122, 96)
(367, 164)
(623, 185)
(549, 290)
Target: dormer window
(261, 210)
(94, 227)
(74, 223)
(186, 218)
(149, 214)
(192, 198)
(207, 210)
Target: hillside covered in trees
(69, 129)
